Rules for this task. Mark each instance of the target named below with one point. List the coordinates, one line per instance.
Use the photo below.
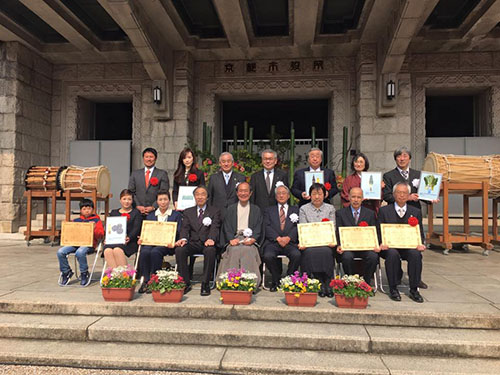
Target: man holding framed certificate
(361, 242)
(409, 246)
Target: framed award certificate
(358, 238)
(116, 230)
(371, 184)
(77, 234)
(186, 197)
(317, 234)
(312, 177)
(158, 233)
(429, 186)
(401, 236)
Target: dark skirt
(129, 249)
(318, 259)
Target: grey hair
(269, 151)
(281, 186)
(402, 150)
(315, 149)
(226, 153)
(401, 183)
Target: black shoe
(422, 285)
(205, 289)
(415, 295)
(273, 288)
(329, 292)
(66, 277)
(84, 278)
(321, 293)
(187, 289)
(143, 288)
(394, 295)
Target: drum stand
(496, 237)
(446, 239)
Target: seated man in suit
(281, 236)
(222, 185)
(264, 182)
(314, 159)
(145, 183)
(351, 216)
(400, 212)
(199, 234)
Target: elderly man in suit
(281, 237)
(400, 212)
(145, 183)
(263, 182)
(314, 159)
(199, 234)
(241, 234)
(222, 185)
(352, 216)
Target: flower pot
(235, 297)
(118, 294)
(301, 299)
(174, 296)
(351, 303)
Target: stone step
(234, 360)
(257, 334)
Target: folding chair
(213, 283)
(97, 255)
(264, 272)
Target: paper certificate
(311, 177)
(158, 233)
(358, 238)
(77, 234)
(317, 234)
(430, 185)
(186, 197)
(371, 184)
(116, 230)
(401, 236)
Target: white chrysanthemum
(207, 221)
(248, 232)
(415, 182)
(294, 218)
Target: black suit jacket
(146, 196)
(193, 231)
(220, 195)
(260, 196)
(392, 177)
(200, 180)
(344, 218)
(272, 226)
(230, 224)
(299, 184)
(388, 215)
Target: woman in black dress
(187, 173)
(115, 255)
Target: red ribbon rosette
(328, 186)
(127, 215)
(325, 219)
(153, 181)
(363, 224)
(413, 221)
(192, 177)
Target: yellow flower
(296, 295)
(222, 299)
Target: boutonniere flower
(206, 221)
(127, 215)
(247, 232)
(294, 218)
(153, 181)
(363, 224)
(192, 177)
(328, 186)
(237, 184)
(415, 182)
(279, 183)
(413, 221)
(325, 219)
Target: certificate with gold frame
(158, 233)
(317, 234)
(358, 238)
(77, 234)
(401, 236)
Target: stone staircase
(265, 339)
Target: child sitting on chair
(86, 215)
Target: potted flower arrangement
(118, 284)
(166, 286)
(300, 290)
(351, 291)
(236, 286)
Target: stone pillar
(25, 104)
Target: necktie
(226, 176)
(282, 217)
(404, 174)
(356, 217)
(200, 216)
(147, 177)
(401, 212)
(268, 182)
